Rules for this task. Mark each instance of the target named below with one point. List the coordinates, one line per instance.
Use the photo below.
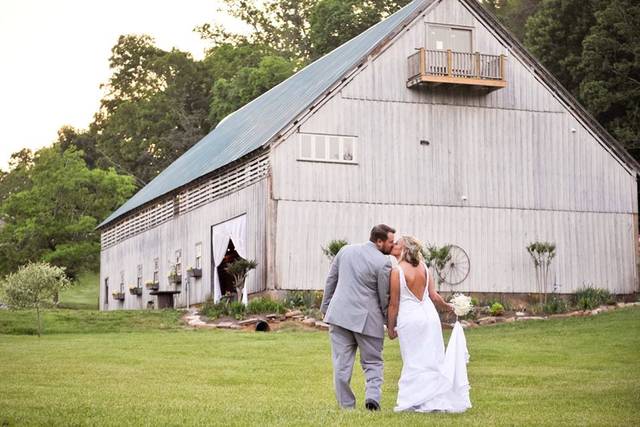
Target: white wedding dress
(431, 379)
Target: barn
(435, 121)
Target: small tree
(33, 286)
(239, 270)
(333, 248)
(437, 257)
(542, 253)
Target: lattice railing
(187, 200)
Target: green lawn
(576, 371)
(84, 292)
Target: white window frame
(450, 27)
(198, 261)
(303, 138)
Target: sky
(54, 54)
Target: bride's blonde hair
(412, 250)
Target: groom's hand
(392, 333)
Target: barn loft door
(232, 230)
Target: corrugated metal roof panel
(259, 121)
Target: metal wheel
(457, 266)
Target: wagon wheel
(457, 266)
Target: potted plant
(239, 270)
(152, 286)
(174, 276)
(135, 290)
(194, 272)
(118, 296)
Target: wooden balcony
(458, 68)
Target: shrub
(496, 309)
(34, 286)
(303, 299)
(589, 297)
(555, 304)
(239, 270)
(265, 305)
(333, 248)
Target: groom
(355, 302)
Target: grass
(83, 294)
(575, 371)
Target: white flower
(461, 304)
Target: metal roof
(255, 124)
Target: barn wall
(501, 170)
(183, 233)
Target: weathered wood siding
(501, 170)
(184, 232)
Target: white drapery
(235, 230)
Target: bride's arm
(436, 298)
(394, 303)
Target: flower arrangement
(135, 290)
(151, 285)
(462, 304)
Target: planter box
(135, 291)
(118, 296)
(176, 280)
(194, 272)
(152, 286)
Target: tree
(333, 247)
(239, 270)
(554, 34)
(610, 64)
(33, 286)
(513, 14)
(155, 109)
(17, 179)
(54, 219)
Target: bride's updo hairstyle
(412, 251)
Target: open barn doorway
(227, 288)
(228, 243)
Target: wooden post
(423, 62)
(477, 58)
(502, 67)
(449, 62)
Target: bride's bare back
(416, 279)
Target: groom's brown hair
(380, 232)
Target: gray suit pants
(343, 347)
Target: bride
(431, 380)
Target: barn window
(156, 270)
(327, 148)
(139, 276)
(198, 255)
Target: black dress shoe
(372, 405)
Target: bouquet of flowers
(461, 304)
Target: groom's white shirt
(356, 295)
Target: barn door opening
(227, 287)
(228, 234)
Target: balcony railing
(448, 67)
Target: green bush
(333, 248)
(265, 306)
(496, 309)
(589, 297)
(303, 299)
(555, 304)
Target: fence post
(449, 62)
(502, 67)
(477, 57)
(423, 62)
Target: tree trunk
(39, 322)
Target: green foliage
(303, 299)
(496, 309)
(333, 248)
(33, 286)
(610, 64)
(265, 306)
(54, 219)
(223, 308)
(83, 293)
(436, 256)
(555, 304)
(589, 297)
(239, 270)
(513, 14)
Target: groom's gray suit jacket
(356, 295)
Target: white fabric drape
(235, 230)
